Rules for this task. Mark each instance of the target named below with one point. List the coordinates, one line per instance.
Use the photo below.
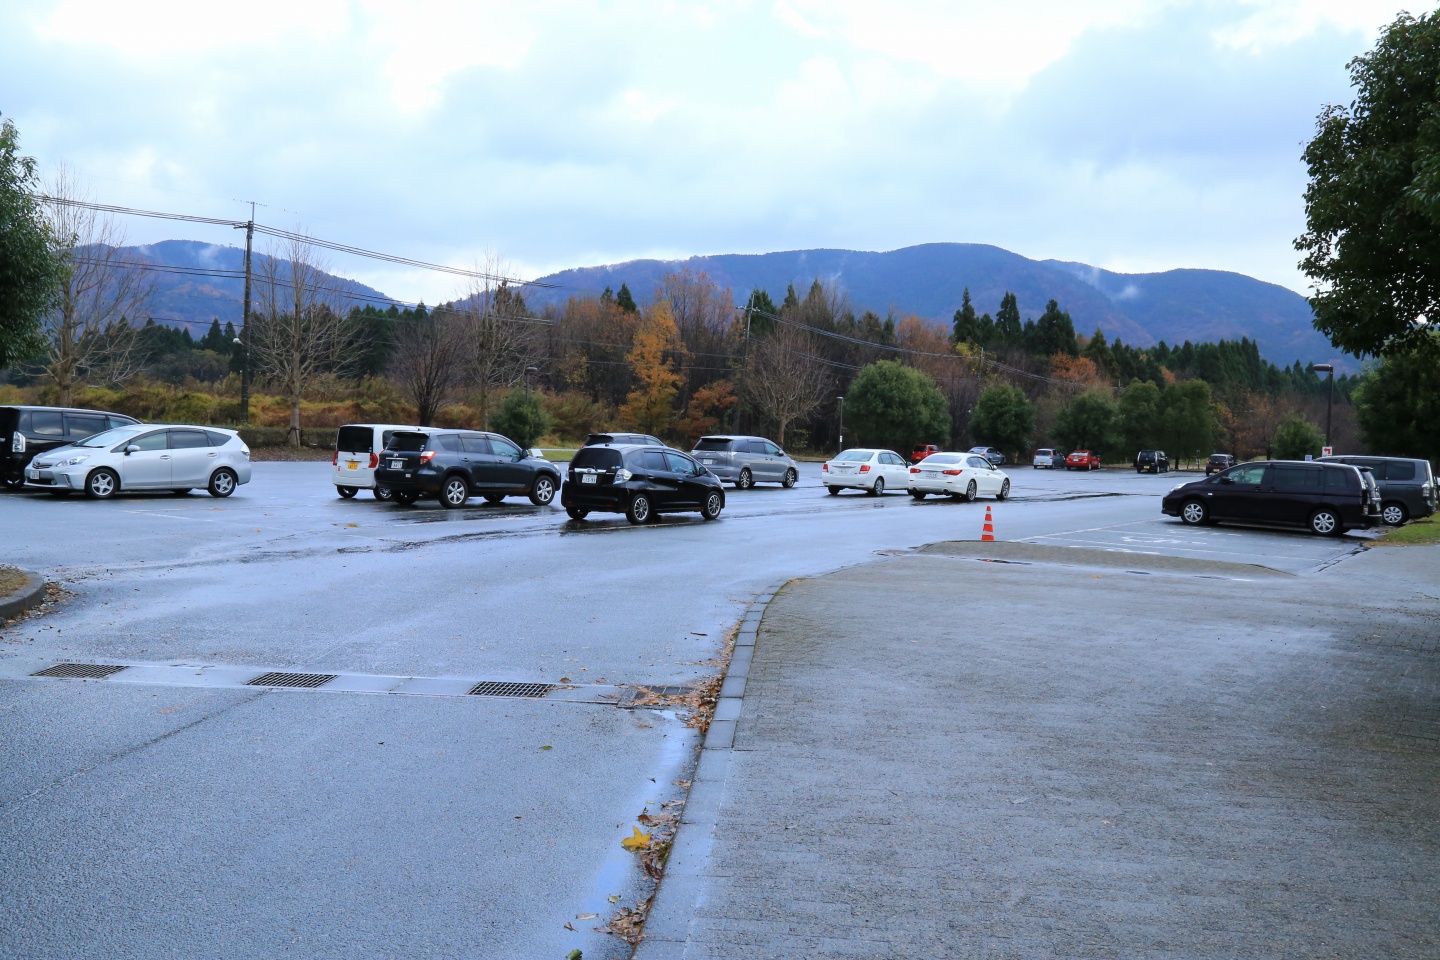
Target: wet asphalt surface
(190, 819)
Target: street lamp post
(1330, 399)
(842, 422)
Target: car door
(1235, 494)
(983, 473)
(191, 458)
(689, 491)
(148, 466)
(479, 461)
(757, 460)
(660, 482)
(1290, 492)
(894, 470)
(511, 470)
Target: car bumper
(603, 498)
(409, 481)
(947, 485)
(361, 478)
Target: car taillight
(374, 460)
(335, 459)
(426, 456)
(952, 473)
(864, 468)
(824, 468)
(17, 442)
(914, 469)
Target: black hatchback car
(1152, 461)
(1327, 498)
(640, 482)
(26, 431)
(455, 465)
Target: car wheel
(790, 478)
(382, 493)
(1194, 512)
(102, 484)
(543, 491)
(575, 513)
(1004, 493)
(455, 492)
(1326, 523)
(918, 494)
(879, 487)
(494, 497)
(639, 509)
(404, 498)
(745, 481)
(833, 491)
(346, 492)
(970, 491)
(1394, 514)
(714, 503)
(222, 482)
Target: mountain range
(927, 280)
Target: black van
(26, 431)
(1407, 485)
(1328, 498)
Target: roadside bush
(1295, 438)
(522, 418)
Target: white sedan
(959, 475)
(145, 456)
(870, 470)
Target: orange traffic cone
(989, 532)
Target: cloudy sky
(1135, 136)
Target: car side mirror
(133, 448)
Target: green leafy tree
(1187, 419)
(1297, 437)
(890, 404)
(1139, 416)
(1372, 209)
(1003, 418)
(30, 273)
(1089, 422)
(1398, 406)
(521, 416)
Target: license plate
(33, 474)
(707, 460)
(929, 473)
(397, 464)
(588, 478)
(352, 465)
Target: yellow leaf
(637, 842)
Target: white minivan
(357, 454)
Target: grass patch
(11, 580)
(1416, 533)
(558, 453)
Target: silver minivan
(746, 461)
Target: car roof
(31, 406)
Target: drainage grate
(496, 688)
(79, 671)
(291, 680)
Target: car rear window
(859, 454)
(599, 438)
(939, 458)
(188, 439)
(408, 442)
(1338, 478)
(596, 458)
(720, 444)
(217, 439)
(1399, 470)
(355, 440)
(44, 423)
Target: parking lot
(192, 815)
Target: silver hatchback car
(746, 461)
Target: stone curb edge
(667, 926)
(28, 596)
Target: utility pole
(745, 370)
(244, 337)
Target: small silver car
(145, 456)
(746, 461)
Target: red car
(1082, 460)
(922, 450)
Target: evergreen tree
(791, 301)
(1008, 332)
(965, 327)
(762, 309)
(1098, 352)
(625, 301)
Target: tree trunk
(293, 439)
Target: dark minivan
(1407, 486)
(1327, 498)
(26, 431)
(455, 465)
(640, 482)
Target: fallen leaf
(637, 842)
(352, 524)
(586, 916)
(568, 926)
(573, 955)
(564, 679)
(547, 747)
(614, 898)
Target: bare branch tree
(89, 333)
(300, 330)
(786, 380)
(501, 339)
(428, 362)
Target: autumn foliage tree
(649, 407)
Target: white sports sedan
(873, 471)
(145, 456)
(959, 475)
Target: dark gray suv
(1407, 487)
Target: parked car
(922, 450)
(145, 457)
(992, 454)
(746, 461)
(958, 475)
(1152, 461)
(26, 432)
(873, 471)
(1082, 460)
(1218, 462)
(633, 438)
(1327, 498)
(1407, 486)
(640, 481)
(455, 465)
(1048, 458)
(357, 454)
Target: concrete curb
(28, 596)
(668, 926)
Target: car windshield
(856, 455)
(108, 438)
